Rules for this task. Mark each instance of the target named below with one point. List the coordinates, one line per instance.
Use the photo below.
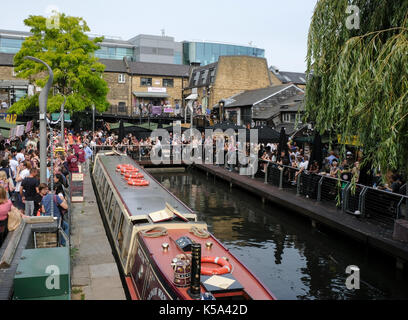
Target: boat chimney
(194, 290)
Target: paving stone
(81, 271)
(112, 294)
(104, 283)
(80, 282)
(94, 268)
(103, 270)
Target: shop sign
(157, 90)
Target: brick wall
(239, 73)
(118, 92)
(6, 73)
(175, 92)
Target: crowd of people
(20, 185)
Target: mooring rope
(158, 232)
(201, 233)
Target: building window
(196, 77)
(122, 107)
(145, 82)
(168, 83)
(212, 76)
(289, 117)
(122, 78)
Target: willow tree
(358, 85)
(69, 52)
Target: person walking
(88, 156)
(23, 171)
(5, 207)
(29, 190)
(50, 206)
(72, 162)
(81, 157)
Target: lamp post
(43, 121)
(93, 120)
(221, 104)
(63, 122)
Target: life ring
(128, 169)
(138, 183)
(133, 175)
(225, 266)
(119, 167)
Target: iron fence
(369, 203)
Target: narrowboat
(163, 251)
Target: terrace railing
(372, 204)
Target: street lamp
(43, 121)
(93, 120)
(63, 122)
(221, 104)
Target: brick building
(130, 84)
(275, 106)
(285, 77)
(230, 75)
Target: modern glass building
(11, 41)
(115, 51)
(208, 52)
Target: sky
(279, 27)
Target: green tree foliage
(70, 54)
(359, 82)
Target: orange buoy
(119, 167)
(138, 183)
(133, 175)
(225, 266)
(123, 170)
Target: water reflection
(294, 260)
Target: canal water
(293, 259)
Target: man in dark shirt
(29, 190)
(72, 162)
(5, 167)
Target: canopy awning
(192, 96)
(56, 116)
(150, 94)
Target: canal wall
(362, 231)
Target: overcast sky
(279, 27)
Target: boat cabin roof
(144, 200)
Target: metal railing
(372, 204)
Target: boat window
(119, 237)
(115, 219)
(103, 184)
(109, 204)
(105, 191)
(112, 208)
(108, 198)
(127, 232)
(98, 174)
